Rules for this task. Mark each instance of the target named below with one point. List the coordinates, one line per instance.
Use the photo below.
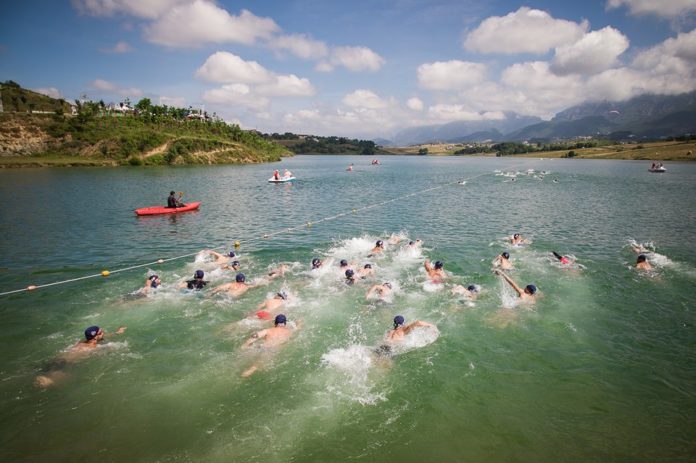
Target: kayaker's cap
(350, 273)
(472, 289)
(531, 289)
(506, 255)
(240, 278)
(91, 332)
(280, 319)
(398, 320)
(231, 254)
(199, 274)
(439, 264)
(368, 266)
(641, 258)
(344, 263)
(316, 262)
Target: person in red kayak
(173, 201)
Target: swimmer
(221, 258)
(269, 307)
(503, 261)
(197, 283)
(234, 265)
(366, 271)
(394, 239)
(277, 272)
(350, 277)
(350, 168)
(517, 240)
(152, 282)
(378, 249)
(344, 265)
(470, 292)
(236, 288)
(399, 331)
(642, 263)
(437, 272)
(271, 337)
(93, 336)
(381, 292)
(415, 244)
(562, 259)
(528, 294)
(316, 263)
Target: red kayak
(154, 210)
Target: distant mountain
(383, 142)
(460, 130)
(585, 127)
(479, 137)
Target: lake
(601, 368)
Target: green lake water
(601, 368)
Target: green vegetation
(510, 148)
(308, 144)
(18, 99)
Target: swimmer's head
(439, 264)
(350, 273)
(154, 281)
(344, 263)
(641, 258)
(472, 289)
(530, 289)
(516, 235)
(379, 243)
(199, 274)
(398, 320)
(506, 255)
(240, 278)
(368, 266)
(231, 254)
(280, 320)
(235, 263)
(91, 332)
(316, 262)
(411, 243)
(387, 284)
(282, 294)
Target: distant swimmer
(562, 259)
(173, 201)
(470, 292)
(350, 168)
(344, 265)
(219, 257)
(517, 240)
(277, 272)
(503, 261)
(381, 292)
(236, 288)
(528, 294)
(400, 330)
(350, 277)
(234, 265)
(366, 271)
(394, 239)
(268, 308)
(197, 283)
(54, 370)
(316, 263)
(415, 244)
(642, 263)
(436, 272)
(152, 282)
(271, 337)
(378, 249)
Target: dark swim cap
(283, 295)
(641, 258)
(235, 263)
(531, 288)
(91, 332)
(231, 254)
(316, 262)
(349, 273)
(411, 243)
(506, 255)
(199, 274)
(153, 281)
(439, 264)
(172, 192)
(368, 266)
(387, 284)
(280, 319)
(240, 278)
(344, 262)
(398, 320)
(379, 243)
(516, 235)
(472, 288)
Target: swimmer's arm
(427, 265)
(215, 254)
(519, 290)
(120, 330)
(254, 337)
(221, 288)
(371, 292)
(411, 326)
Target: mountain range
(642, 117)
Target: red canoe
(154, 210)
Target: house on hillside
(120, 108)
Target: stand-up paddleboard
(281, 180)
(154, 210)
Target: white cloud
(524, 31)
(452, 112)
(237, 95)
(120, 47)
(300, 46)
(224, 67)
(667, 8)
(176, 101)
(450, 75)
(323, 66)
(149, 9)
(49, 91)
(287, 85)
(683, 46)
(415, 104)
(364, 99)
(114, 89)
(356, 58)
(593, 53)
(202, 22)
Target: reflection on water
(602, 360)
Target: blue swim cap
(398, 320)
(349, 273)
(91, 332)
(506, 255)
(316, 262)
(379, 243)
(235, 263)
(280, 319)
(231, 254)
(439, 264)
(531, 288)
(153, 281)
(368, 266)
(472, 288)
(240, 278)
(199, 274)
(344, 262)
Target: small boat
(658, 170)
(281, 180)
(155, 210)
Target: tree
(423, 151)
(144, 105)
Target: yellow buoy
(236, 244)
(105, 273)
(31, 287)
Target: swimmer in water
(152, 282)
(344, 265)
(236, 288)
(267, 309)
(381, 292)
(394, 239)
(415, 244)
(277, 272)
(503, 261)
(219, 258)
(378, 249)
(54, 371)
(517, 240)
(436, 272)
(562, 259)
(271, 338)
(234, 265)
(470, 292)
(366, 271)
(528, 294)
(400, 330)
(642, 263)
(316, 263)
(197, 283)
(350, 277)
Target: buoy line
(308, 224)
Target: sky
(359, 68)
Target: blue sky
(360, 68)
